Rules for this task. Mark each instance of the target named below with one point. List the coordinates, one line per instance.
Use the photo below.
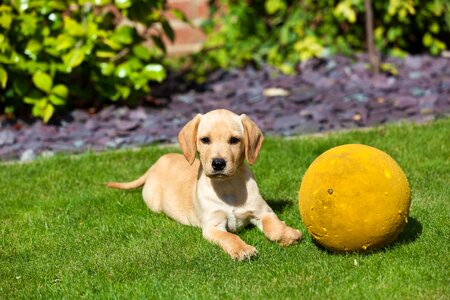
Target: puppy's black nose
(218, 164)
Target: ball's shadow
(411, 232)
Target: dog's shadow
(279, 206)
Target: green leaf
(179, 15)
(135, 63)
(168, 30)
(101, 2)
(427, 40)
(123, 90)
(32, 100)
(393, 33)
(115, 96)
(4, 59)
(397, 52)
(29, 100)
(32, 49)
(37, 111)
(29, 24)
(344, 8)
(43, 81)
(154, 72)
(9, 109)
(141, 52)
(74, 58)
(140, 82)
(48, 112)
(434, 28)
(60, 90)
(389, 68)
(145, 11)
(5, 8)
(5, 21)
(112, 44)
(72, 27)
(437, 7)
(92, 31)
(16, 58)
(64, 41)
(123, 35)
(3, 77)
(104, 54)
(106, 68)
(56, 100)
(159, 43)
(21, 87)
(122, 70)
(122, 4)
(273, 6)
(57, 5)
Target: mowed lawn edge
(64, 235)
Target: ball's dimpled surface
(354, 198)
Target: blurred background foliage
(285, 32)
(56, 54)
(73, 53)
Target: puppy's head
(222, 139)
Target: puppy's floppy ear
(253, 139)
(187, 138)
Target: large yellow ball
(354, 198)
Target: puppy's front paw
(242, 252)
(290, 236)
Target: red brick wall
(187, 38)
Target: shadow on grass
(279, 206)
(413, 229)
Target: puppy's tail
(128, 185)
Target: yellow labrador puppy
(217, 192)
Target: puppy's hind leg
(151, 196)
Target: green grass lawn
(64, 235)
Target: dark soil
(325, 95)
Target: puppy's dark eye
(234, 140)
(205, 140)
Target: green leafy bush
(285, 32)
(57, 53)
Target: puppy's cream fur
(192, 192)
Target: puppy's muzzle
(218, 164)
